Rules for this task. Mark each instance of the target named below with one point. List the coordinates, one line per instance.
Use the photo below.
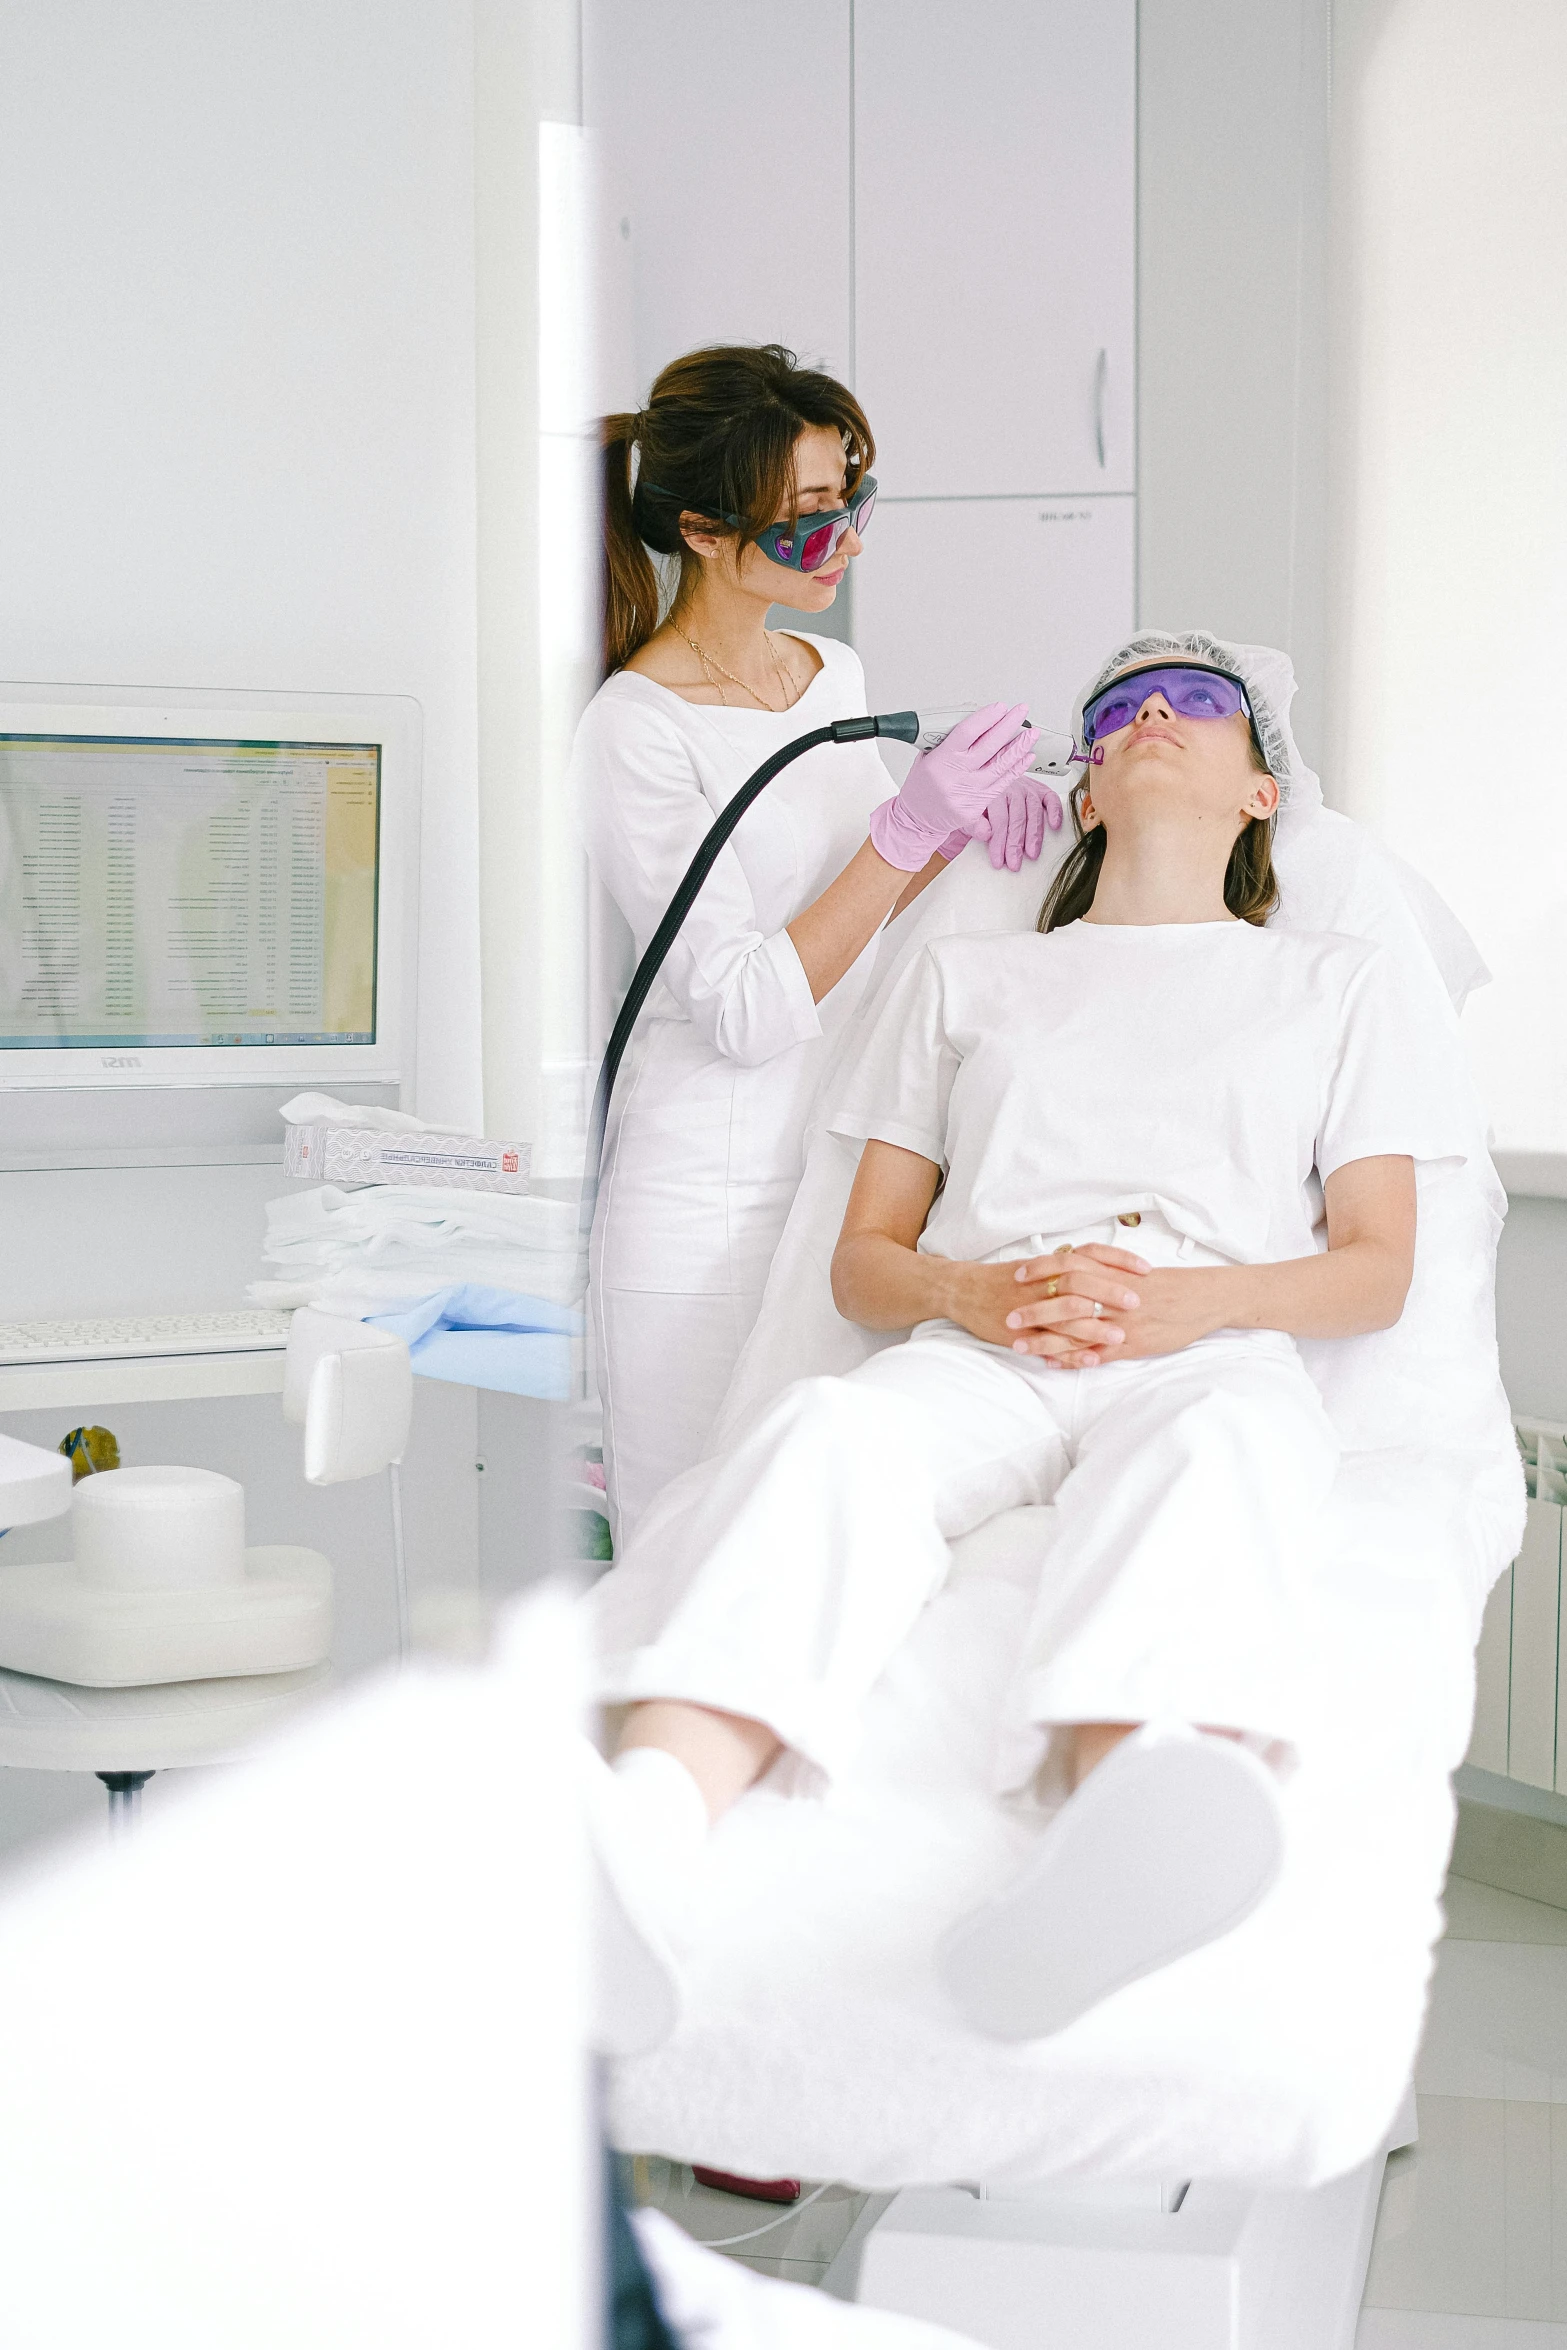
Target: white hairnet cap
(1269, 678)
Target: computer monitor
(207, 902)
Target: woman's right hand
(948, 786)
(1073, 1295)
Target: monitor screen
(160, 892)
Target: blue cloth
(496, 1338)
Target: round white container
(159, 1529)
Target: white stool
(124, 1735)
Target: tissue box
(362, 1154)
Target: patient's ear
(1264, 800)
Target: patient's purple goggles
(1193, 689)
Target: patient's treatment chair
(1194, 2164)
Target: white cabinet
(995, 180)
(973, 599)
(946, 218)
(723, 129)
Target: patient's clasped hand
(1096, 1164)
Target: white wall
(1231, 355)
(1242, 273)
(237, 382)
(237, 448)
(1450, 483)
(1531, 1306)
(1450, 510)
(539, 261)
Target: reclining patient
(1096, 1162)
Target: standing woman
(754, 475)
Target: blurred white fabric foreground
(300, 2064)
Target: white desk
(33, 1387)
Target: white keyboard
(112, 1337)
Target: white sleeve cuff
(793, 1007)
(870, 1126)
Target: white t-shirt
(1211, 1070)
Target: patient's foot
(647, 1823)
(1168, 1844)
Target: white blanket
(817, 2040)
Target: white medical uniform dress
(704, 1148)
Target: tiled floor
(1414, 2329)
(1471, 2241)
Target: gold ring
(1052, 1285)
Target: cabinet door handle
(1101, 385)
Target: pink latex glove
(949, 787)
(1013, 823)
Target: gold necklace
(708, 662)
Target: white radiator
(1520, 1728)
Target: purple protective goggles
(1193, 689)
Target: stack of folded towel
(479, 1283)
(393, 1241)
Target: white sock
(663, 1800)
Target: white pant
(777, 1579)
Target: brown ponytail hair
(716, 439)
(1251, 889)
